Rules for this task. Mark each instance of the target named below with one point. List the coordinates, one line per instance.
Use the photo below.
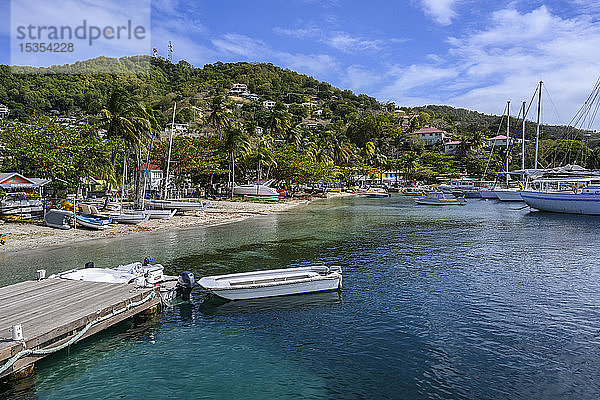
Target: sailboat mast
(507, 140)
(170, 147)
(537, 129)
(523, 140)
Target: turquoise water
(485, 301)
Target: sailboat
(156, 205)
(570, 189)
(509, 193)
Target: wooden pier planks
(52, 311)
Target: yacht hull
(567, 203)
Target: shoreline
(30, 236)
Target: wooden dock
(53, 312)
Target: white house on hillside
(432, 136)
(4, 111)
(269, 104)
(238, 89)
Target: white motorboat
(254, 190)
(179, 205)
(508, 194)
(271, 283)
(440, 199)
(138, 274)
(564, 195)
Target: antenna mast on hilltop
(170, 57)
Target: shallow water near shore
(485, 301)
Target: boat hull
(508, 195)
(487, 194)
(254, 190)
(324, 285)
(566, 203)
(273, 283)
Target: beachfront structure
(153, 176)
(451, 147)
(432, 136)
(268, 104)
(15, 182)
(388, 178)
(238, 89)
(4, 111)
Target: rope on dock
(75, 338)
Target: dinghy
(93, 222)
(133, 219)
(60, 219)
(271, 283)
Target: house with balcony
(153, 176)
(269, 104)
(238, 89)
(432, 136)
(498, 141)
(451, 147)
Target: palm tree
(264, 154)
(279, 121)
(236, 143)
(128, 123)
(217, 117)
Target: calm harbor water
(485, 301)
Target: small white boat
(376, 193)
(153, 214)
(440, 199)
(271, 283)
(254, 190)
(179, 205)
(132, 219)
(137, 274)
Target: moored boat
(139, 274)
(560, 195)
(508, 194)
(440, 199)
(271, 283)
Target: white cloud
(505, 61)
(441, 11)
(349, 44)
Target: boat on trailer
(271, 283)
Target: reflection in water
(213, 305)
(482, 301)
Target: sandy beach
(33, 235)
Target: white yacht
(564, 195)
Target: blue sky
(464, 53)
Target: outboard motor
(89, 264)
(185, 284)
